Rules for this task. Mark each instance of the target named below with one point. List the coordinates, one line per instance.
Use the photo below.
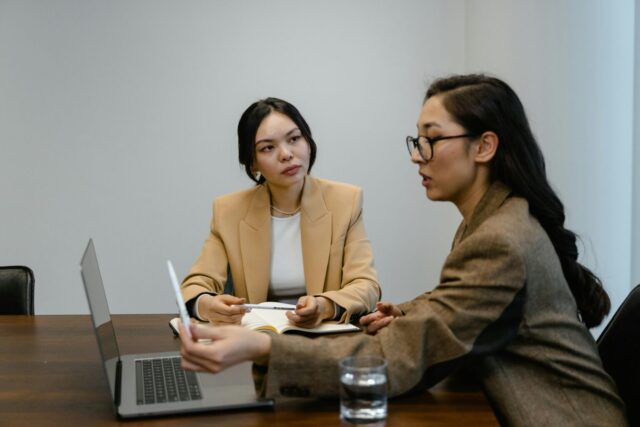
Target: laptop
(144, 385)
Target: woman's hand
(228, 346)
(311, 311)
(221, 309)
(374, 322)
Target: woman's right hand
(381, 318)
(221, 309)
(213, 349)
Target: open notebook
(269, 320)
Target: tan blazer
(503, 309)
(337, 256)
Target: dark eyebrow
(286, 135)
(428, 125)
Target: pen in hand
(267, 307)
(184, 316)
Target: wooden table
(51, 374)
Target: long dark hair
(482, 103)
(250, 121)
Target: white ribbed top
(287, 269)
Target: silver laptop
(154, 384)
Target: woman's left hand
(385, 312)
(224, 347)
(311, 311)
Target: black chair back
(16, 290)
(619, 347)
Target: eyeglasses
(424, 144)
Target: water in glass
(363, 396)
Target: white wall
(117, 121)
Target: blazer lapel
(255, 246)
(490, 202)
(315, 233)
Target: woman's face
(451, 172)
(282, 153)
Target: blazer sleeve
(209, 272)
(359, 290)
(475, 310)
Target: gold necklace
(286, 213)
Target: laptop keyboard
(163, 380)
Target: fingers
(293, 317)
(307, 305)
(182, 333)
(375, 326)
(226, 320)
(371, 317)
(385, 307)
(199, 332)
(308, 321)
(381, 318)
(190, 366)
(199, 363)
(230, 299)
(230, 305)
(188, 352)
(228, 346)
(197, 356)
(225, 309)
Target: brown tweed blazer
(503, 310)
(337, 256)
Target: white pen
(184, 316)
(267, 307)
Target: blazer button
(294, 391)
(285, 391)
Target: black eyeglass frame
(414, 143)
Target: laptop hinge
(116, 398)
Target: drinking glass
(363, 389)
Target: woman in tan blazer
(291, 237)
(513, 304)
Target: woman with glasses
(513, 304)
(290, 238)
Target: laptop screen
(97, 300)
